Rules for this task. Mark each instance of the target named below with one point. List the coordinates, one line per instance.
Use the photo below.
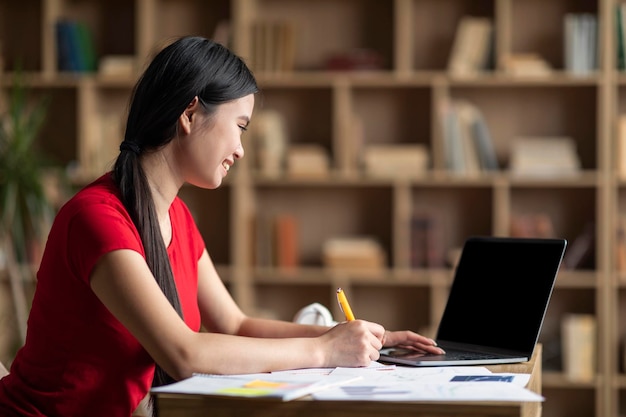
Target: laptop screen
(500, 293)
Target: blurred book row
(277, 243)
(77, 51)
(273, 44)
(465, 146)
(473, 48)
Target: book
(526, 65)
(578, 333)
(286, 241)
(581, 39)
(466, 119)
(472, 46)
(396, 160)
(358, 253)
(117, 65)
(278, 386)
(75, 46)
(483, 141)
(544, 156)
(307, 161)
(66, 57)
(273, 46)
(88, 61)
(426, 246)
(466, 143)
(452, 144)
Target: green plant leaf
(22, 197)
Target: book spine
(484, 143)
(86, 47)
(286, 234)
(64, 45)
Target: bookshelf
(405, 44)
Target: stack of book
(544, 156)
(358, 253)
(526, 65)
(307, 161)
(395, 160)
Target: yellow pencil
(344, 305)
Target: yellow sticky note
(258, 383)
(245, 392)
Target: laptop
(496, 305)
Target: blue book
(76, 57)
(65, 57)
(484, 143)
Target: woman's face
(213, 145)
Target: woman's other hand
(410, 340)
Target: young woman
(126, 282)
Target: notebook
(496, 305)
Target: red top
(78, 359)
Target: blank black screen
(500, 292)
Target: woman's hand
(410, 340)
(353, 343)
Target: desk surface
(178, 405)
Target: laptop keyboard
(465, 355)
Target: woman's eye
(243, 128)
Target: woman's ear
(186, 118)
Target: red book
(286, 241)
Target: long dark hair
(188, 67)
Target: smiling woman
(127, 295)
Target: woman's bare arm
(124, 283)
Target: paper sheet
(431, 384)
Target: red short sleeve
(95, 230)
